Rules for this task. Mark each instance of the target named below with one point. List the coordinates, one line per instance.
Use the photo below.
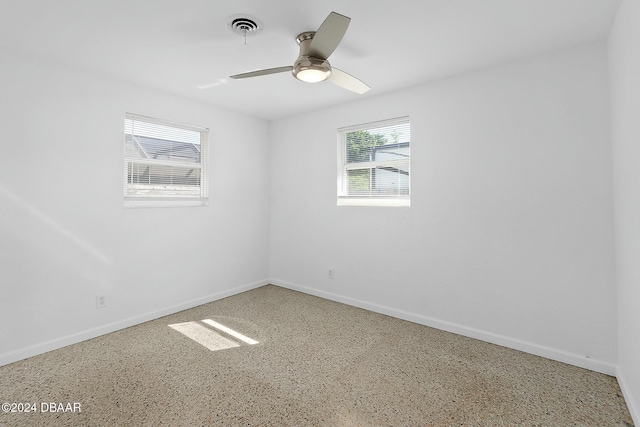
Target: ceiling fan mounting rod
(304, 40)
(307, 35)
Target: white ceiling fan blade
(262, 72)
(347, 81)
(329, 35)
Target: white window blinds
(164, 160)
(375, 162)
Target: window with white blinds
(164, 162)
(374, 163)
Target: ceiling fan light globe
(311, 70)
(311, 75)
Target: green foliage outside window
(360, 146)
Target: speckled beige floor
(317, 363)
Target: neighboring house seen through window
(374, 161)
(164, 163)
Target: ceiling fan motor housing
(308, 68)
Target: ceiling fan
(312, 64)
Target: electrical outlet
(101, 301)
(330, 274)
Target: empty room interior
(462, 168)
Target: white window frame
(344, 199)
(164, 197)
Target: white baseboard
(64, 341)
(628, 397)
(514, 343)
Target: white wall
(64, 234)
(624, 59)
(509, 237)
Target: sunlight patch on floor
(204, 336)
(209, 338)
(230, 331)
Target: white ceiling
(186, 47)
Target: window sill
(352, 201)
(164, 203)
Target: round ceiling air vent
(244, 25)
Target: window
(374, 164)
(164, 163)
